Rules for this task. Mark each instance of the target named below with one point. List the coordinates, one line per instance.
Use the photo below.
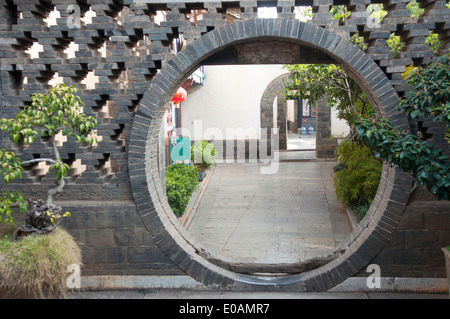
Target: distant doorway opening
(301, 125)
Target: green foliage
(414, 8)
(340, 13)
(358, 41)
(357, 177)
(429, 96)
(394, 44)
(203, 154)
(181, 182)
(433, 40)
(448, 5)
(10, 167)
(60, 168)
(315, 81)
(59, 110)
(304, 12)
(7, 200)
(376, 11)
(419, 158)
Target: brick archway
(274, 91)
(374, 230)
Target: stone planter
(202, 175)
(447, 265)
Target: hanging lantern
(179, 97)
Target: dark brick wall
(415, 247)
(114, 241)
(325, 145)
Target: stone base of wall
(415, 248)
(114, 241)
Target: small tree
(428, 98)
(315, 81)
(57, 111)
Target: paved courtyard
(289, 216)
(297, 141)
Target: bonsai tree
(57, 111)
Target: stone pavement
(301, 141)
(179, 294)
(293, 215)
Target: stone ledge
(394, 284)
(352, 284)
(138, 282)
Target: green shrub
(340, 13)
(357, 177)
(433, 40)
(414, 8)
(203, 154)
(420, 158)
(181, 182)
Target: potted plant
(203, 154)
(446, 251)
(34, 263)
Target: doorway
(146, 184)
(301, 120)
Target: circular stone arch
(372, 233)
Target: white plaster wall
(290, 110)
(230, 99)
(339, 128)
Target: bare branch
(37, 160)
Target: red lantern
(180, 96)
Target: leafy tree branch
(57, 111)
(421, 159)
(429, 96)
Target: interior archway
(362, 245)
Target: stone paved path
(284, 217)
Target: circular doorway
(362, 245)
